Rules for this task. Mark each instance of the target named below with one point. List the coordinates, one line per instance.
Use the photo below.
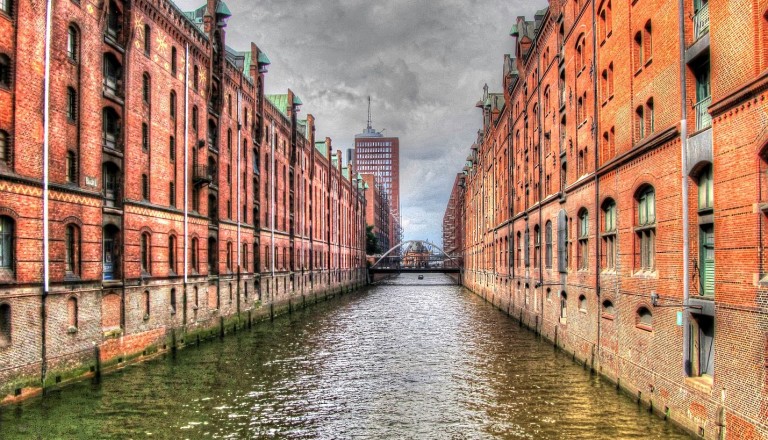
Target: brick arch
(641, 182)
(10, 213)
(72, 220)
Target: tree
(371, 243)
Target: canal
(407, 358)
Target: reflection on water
(406, 359)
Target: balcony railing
(701, 21)
(703, 118)
(202, 174)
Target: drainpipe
(684, 181)
(272, 203)
(186, 162)
(541, 190)
(239, 189)
(46, 139)
(598, 211)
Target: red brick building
(178, 197)
(453, 224)
(377, 212)
(615, 200)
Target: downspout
(46, 140)
(684, 179)
(186, 177)
(541, 188)
(239, 189)
(598, 211)
(272, 203)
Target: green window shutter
(707, 258)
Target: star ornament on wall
(162, 44)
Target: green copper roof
(345, 172)
(263, 58)
(280, 102)
(513, 32)
(320, 146)
(247, 63)
(222, 9)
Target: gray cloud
(424, 62)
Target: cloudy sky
(423, 62)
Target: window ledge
(608, 317)
(638, 71)
(563, 320)
(644, 327)
(700, 383)
(646, 274)
(648, 63)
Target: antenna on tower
(369, 112)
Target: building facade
(377, 212)
(149, 190)
(615, 200)
(380, 156)
(453, 224)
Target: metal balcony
(202, 174)
(703, 118)
(701, 21)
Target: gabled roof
(281, 102)
(322, 148)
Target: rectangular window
(707, 260)
(701, 348)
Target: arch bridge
(416, 256)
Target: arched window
(195, 76)
(244, 257)
(147, 40)
(647, 42)
(146, 88)
(111, 128)
(646, 229)
(172, 301)
(229, 139)
(146, 300)
(194, 119)
(173, 60)
(73, 42)
(71, 104)
(72, 249)
(7, 245)
(213, 142)
(548, 244)
(172, 105)
(609, 234)
(644, 319)
(638, 51)
(583, 240)
(5, 325)
(649, 116)
(111, 252)
(172, 253)
(582, 303)
(113, 74)
(194, 249)
(639, 123)
(536, 246)
(146, 254)
(580, 53)
(5, 71)
(72, 314)
(213, 209)
(145, 187)
(563, 306)
(229, 255)
(71, 167)
(145, 136)
(706, 233)
(6, 6)
(213, 249)
(114, 25)
(609, 311)
(4, 147)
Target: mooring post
(221, 327)
(97, 358)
